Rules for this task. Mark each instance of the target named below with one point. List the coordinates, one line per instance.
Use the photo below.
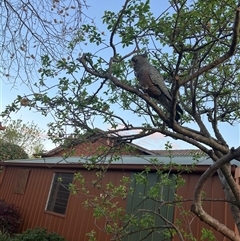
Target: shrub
(4, 236)
(9, 151)
(9, 218)
(37, 234)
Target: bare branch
(116, 26)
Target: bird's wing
(158, 80)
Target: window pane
(59, 193)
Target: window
(59, 192)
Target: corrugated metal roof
(131, 160)
(185, 152)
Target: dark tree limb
(197, 205)
(234, 207)
(116, 26)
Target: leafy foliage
(37, 234)
(9, 218)
(207, 235)
(4, 236)
(26, 135)
(9, 151)
(150, 196)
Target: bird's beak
(132, 64)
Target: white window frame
(58, 186)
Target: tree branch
(231, 51)
(115, 27)
(197, 205)
(182, 130)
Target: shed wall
(78, 221)
(217, 209)
(74, 224)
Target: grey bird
(152, 83)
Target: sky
(8, 92)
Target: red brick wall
(101, 146)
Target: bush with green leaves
(9, 218)
(4, 236)
(10, 151)
(37, 234)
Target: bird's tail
(179, 112)
(177, 117)
(179, 109)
